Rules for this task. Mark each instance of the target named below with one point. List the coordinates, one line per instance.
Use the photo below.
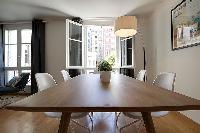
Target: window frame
(68, 66)
(84, 66)
(19, 28)
(133, 42)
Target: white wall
(55, 47)
(185, 62)
(144, 39)
(138, 46)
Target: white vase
(105, 76)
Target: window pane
(109, 40)
(126, 52)
(10, 74)
(129, 52)
(6, 36)
(129, 57)
(75, 32)
(26, 55)
(10, 36)
(10, 55)
(95, 46)
(26, 35)
(75, 49)
(29, 80)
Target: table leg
(148, 122)
(64, 122)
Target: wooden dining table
(86, 93)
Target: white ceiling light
(126, 26)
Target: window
(10, 48)
(17, 39)
(74, 45)
(87, 45)
(100, 44)
(26, 47)
(126, 45)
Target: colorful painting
(185, 23)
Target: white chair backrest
(65, 75)
(165, 80)
(44, 81)
(141, 75)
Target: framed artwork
(185, 24)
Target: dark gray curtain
(2, 70)
(38, 51)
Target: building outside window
(101, 44)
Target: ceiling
(86, 9)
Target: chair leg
(140, 125)
(128, 125)
(117, 117)
(92, 113)
(85, 127)
(71, 126)
(76, 122)
(91, 121)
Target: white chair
(65, 75)
(141, 75)
(45, 81)
(164, 80)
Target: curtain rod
(19, 22)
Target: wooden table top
(86, 93)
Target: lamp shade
(126, 26)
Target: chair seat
(73, 115)
(138, 115)
(159, 114)
(79, 115)
(134, 115)
(53, 114)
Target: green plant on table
(104, 66)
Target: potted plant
(105, 69)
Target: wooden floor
(26, 122)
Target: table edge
(104, 109)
